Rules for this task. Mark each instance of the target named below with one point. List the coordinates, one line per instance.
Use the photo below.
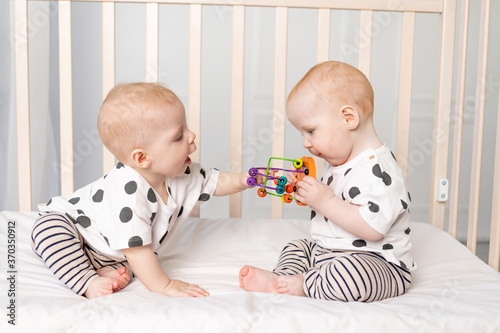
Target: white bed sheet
(452, 290)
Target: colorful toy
(303, 167)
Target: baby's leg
(57, 242)
(256, 279)
(297, 257)
(120, 275)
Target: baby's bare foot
(120, 275)
(290, 284)
(256, 279)
(100, 286)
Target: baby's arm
(146, 266)
(231, 182)
(344, 214)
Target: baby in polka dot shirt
(360, 246)
(96, 239)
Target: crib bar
(405, 84)
(323, 54)
(108, 68)
(458, 117)
(494, 253)
(194, 100)
(66, 98)
(365, 42)
(429, 6)
(442, 110)
(280, 57)
(152, 25)
(237, 74)
(478, 125)
(23, 105)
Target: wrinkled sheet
(452, 290)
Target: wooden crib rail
(438, 210)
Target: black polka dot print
(387, 247)
(359, 243)
(313, 214)
(347, 171)
(373, 207)
(151, 195)
(74, 200)
(126, 214)
(203, 173)
(180, 211)
(353, 192)
(394, 157)
(163, 238)
(402, 264)
(326, 220)
(409, 196)
(49, 202)
(204, 197)
(135, 241)
(404, 204)
(84, 221)
(119, 165)
(343, 198)
(98, 196)
(106, 239)
(188, 170)
(407, 231)
(131, 187)
(152, 218)
(329, 181)
(170, 219)
(169, 190)
(383, 175)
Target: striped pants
(342, 275)
(55, 239)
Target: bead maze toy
(303, 167)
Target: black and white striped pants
(55, 239)
(342, 275)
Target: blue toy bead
(280, 189)
(282, 180)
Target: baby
(359, 220)
(96, 239)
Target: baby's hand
(177, 288)
(313, 193)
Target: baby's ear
(350, 116)
(139, 158)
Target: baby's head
(132, 115)
(338, 84)
(332, 107)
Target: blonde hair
(339, 83)
(130, 113)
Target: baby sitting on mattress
(359, 219)
(95, 238)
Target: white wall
(259, 53)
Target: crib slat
(494, 253)
(152, 25)
(458, 117)
(280, 60)
(405, 84)
(324, 19)
(23, 105)
(365, 42)
(237, 75)
(430, 6)
(194, 111)
(477, 150)
(437, 210)
(66, 97)
(108, 67)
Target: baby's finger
(197, 291)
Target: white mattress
(452, 290)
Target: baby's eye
(179, 138)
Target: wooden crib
(446, 164)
